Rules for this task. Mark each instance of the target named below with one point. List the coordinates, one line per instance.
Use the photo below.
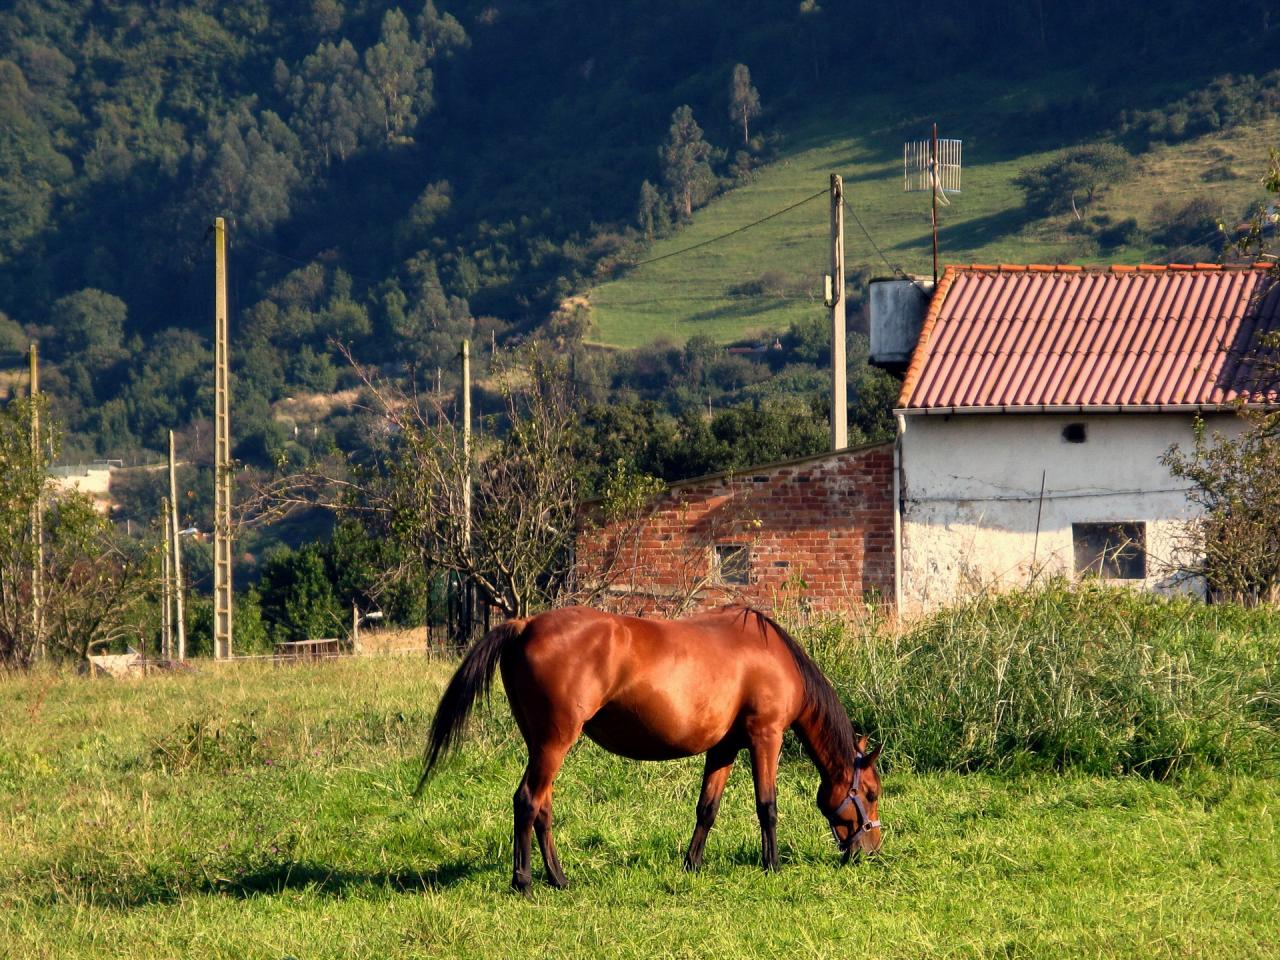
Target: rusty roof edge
(759, 467)
(1230, 407)
(916, 366)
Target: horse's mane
(832, 722)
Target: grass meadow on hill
(771, 275)
(252, 811)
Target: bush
(1087, 677)
(1194, 224)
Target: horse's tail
(473, 677)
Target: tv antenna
(932, 165)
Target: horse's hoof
(521, 886)
(560, 883)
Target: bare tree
(95, 588)
(1234, 541)
(515, 543)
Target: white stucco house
(1035, 408)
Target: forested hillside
(397, 176)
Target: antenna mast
(932, 165)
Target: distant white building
(1035, 409)
(93, 480)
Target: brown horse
(657, 690)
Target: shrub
(1087, 677)
(1193, 224)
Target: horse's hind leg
(532, 803)
(542, 827)
(714, 776)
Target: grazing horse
(657, 690)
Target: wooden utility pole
(166, 604)
(222, 596)
(176, 548)
(835, 300)
(37, 514)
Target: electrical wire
(725, 236)
(897, 271)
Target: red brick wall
(819, 531)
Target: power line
(723, 236)
(858, 220)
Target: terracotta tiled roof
(1063, 336)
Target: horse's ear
(874, 755)
(862, 743)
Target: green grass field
(249, 811)
(700, 292)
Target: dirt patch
(314, 407)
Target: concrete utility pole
(835, 300)
(166, 603)
(222, 596)
(37, 514)
(466, 441)
(176, 542)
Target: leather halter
(865, 822)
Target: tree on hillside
(31, 168)
(395, 63)
(651, 212)
(686, 163)
(248, 168)
(1073, 179)
(336, 107)
(744, 100)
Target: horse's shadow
(334, 882)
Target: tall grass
(1098, 679)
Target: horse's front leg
(714, 776)
(766, 746)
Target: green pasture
(259, 812)
(713, 290)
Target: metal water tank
(898, 306)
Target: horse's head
(854, 813)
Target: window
(1113, 551)
(1075, 433)
(732, 563)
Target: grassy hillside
(249, 811)
(770, 275)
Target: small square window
(1113, 551)
(1075, 433)
(732, 563)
